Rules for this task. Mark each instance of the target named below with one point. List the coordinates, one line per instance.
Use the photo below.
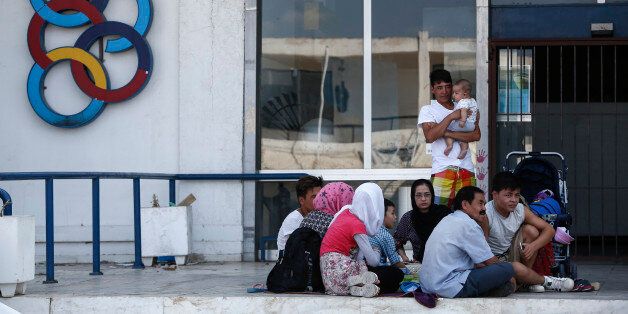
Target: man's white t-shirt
(503, 230)
(291, 223)
(435, 112)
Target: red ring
(117, 95)
(35, 34)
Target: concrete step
(269, 303)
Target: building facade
(325, 87)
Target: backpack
(545, 207)
(298, 269)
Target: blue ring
(35, 96)
(142, 24)
(65, 20)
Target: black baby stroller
(538, 173)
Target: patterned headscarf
(332, 197)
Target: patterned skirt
(336, 269)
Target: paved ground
(232, 279)
(221, 288)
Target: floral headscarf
(332, 197)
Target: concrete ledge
(221, 288)
(267, 303)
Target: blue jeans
(485, 279)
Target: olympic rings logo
(97, 86)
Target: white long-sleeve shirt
(291, 223)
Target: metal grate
(572, 98)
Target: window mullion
(367, 85)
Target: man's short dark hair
(307, 183)
(440, 75)
(467, 193)
(388, 203)
(505, 180)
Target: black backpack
(299, 269)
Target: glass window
(279, 199)
(311, 79)
(311, 84)
(513, 100)
(425, 35)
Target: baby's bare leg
(463, 117)
(464, 148)
(450, 144)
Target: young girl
(346, 245)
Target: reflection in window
(310, 96)
(279, 199)
(513, 96)
(425, 35)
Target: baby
(468, 113)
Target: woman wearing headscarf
(329, 200)
(346, 246)
(417, 225)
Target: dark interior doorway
(571, 97)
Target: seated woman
(330, 200)
(417, 225)
(342, 264)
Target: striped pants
(448, 182)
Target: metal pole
(137, 221)
(173, 196)
(96, 227)
(50, 241)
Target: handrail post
(137, 222)
(50, 240)
(172, 190)
(95, 227)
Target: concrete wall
(188, 119)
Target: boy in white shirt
(307, 188)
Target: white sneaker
(362, 279)
(369, 290)
(558, 284)
(536, 288)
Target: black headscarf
(424, 223)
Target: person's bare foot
(463, 153)
(448, 150)
(461, 123)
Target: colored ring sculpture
(142, 24)
(36, 82)
(144, 62)
(96, 86)
(65, 20)
(37, 26)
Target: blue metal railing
(49, 178)
(6, 200)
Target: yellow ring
(93, 65)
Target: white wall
(188, 119)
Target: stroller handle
(522, 153)
(538, 154)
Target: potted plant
(166, 231)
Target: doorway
(571, 97)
